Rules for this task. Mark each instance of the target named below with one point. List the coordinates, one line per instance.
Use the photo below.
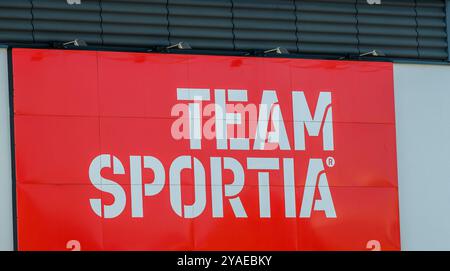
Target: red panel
(70, 77)
(119, 104)
(129, 83)
(52, 215)
(68, 144)
(173, 232)
(252, 233)
(374, 218)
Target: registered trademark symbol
(330, 161)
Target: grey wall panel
(6, 217)
(389, 27)
(422, 96)
(203, 24)
(141, 23)
(431, 29)
(327, 26)
(265, 24)
(55, 20)
(15, 21)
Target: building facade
(409, 37)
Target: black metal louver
(399, 28)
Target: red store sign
(133, 151)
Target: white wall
(422, 99)
(6, 227)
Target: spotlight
(76, 42)
(62, 45)
(181, 45)
(278, 50)
(373, 53)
